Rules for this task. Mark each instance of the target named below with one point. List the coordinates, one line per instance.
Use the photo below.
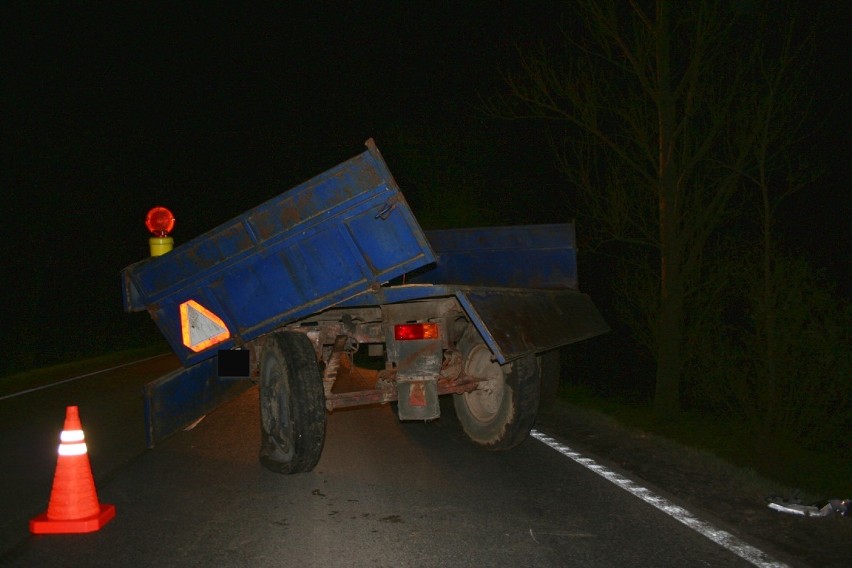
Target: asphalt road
(383, 494)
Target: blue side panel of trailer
(178, 398)
(525, 256)
(333, 237)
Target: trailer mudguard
(514, 323)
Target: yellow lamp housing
(161, 245)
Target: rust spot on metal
(289, 216)
(359, 398)
(417, 394)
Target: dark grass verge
(818, 474)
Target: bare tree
(776, 175)
(650, 107)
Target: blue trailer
(336, 275)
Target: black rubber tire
(292, 404)
(502, 417)
(551, 370)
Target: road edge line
(721, 537)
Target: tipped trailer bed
(335, 273)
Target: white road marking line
(723, 538)
(77, 378)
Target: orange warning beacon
(160, 222)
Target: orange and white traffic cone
(74, 506)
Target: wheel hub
(484, 403)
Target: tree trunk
(669, 345)
(670, 321)
(770, 387)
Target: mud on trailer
(297, 292)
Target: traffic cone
(73, 506)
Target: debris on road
(794, 506)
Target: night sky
(107, 112)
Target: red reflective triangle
(201, 328)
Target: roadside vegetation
(792, 427)
(679, 159)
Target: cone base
(43, 525)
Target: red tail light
(409, 331)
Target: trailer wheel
(500, 413)
(292, 404)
